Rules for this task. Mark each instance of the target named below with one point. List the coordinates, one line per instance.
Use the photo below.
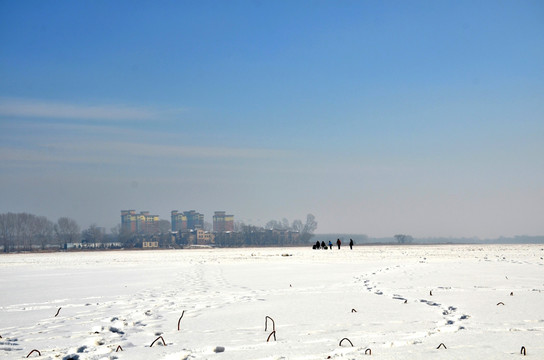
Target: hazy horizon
(379, 118)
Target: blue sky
(378, 117)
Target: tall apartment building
(128, 220)
(142, 223)
(179, 221)
(187, 220)
(223, 222)
(194, 220)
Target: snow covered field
(395, 302)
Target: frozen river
(395, 302)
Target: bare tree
(238, 225)
(311, 224)
(115, 231)
(297, 226)
(92, 235)
(278, 225)
(285, 224)
(404, 239)
(43, 231)
(23, 231)
(273, 225)
(7, 231)
(165, 238)
(67, 231)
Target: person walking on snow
(351, 244)
(330, 245)
(338, 242)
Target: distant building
(222, 222)
(142, 223)
(204, 237)
(129, 220)
(153, 244)
(194, 220)
(179, 221)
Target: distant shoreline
(308, 246)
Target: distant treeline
(29, 232)
(257, 236)
(364, 239)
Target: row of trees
(23, 231)
(274, 233)
(404, 239)
(26, 232)
(297, 226)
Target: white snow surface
(394, 302)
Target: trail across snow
(395, 302)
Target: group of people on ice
(324, 246)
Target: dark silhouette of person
(338, 242)
(330, 245)
(351, 244)
(323, 245)
(317, 245)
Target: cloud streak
(109, 152)
(32, 108)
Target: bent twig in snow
(179, 321)
(441, 344)
(523, 351)
(266, 323)
(368, 352)
(345, 339)
(272, 333)
(353, 310)
(30, 353)
(500, 303)
(58, 311)
(119, 348)
(160, 337)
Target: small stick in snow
(431, 293)
(58, 311)
(441, 344)
(272, 333)
(353, 310)
(512, 293)
(406, 301)
(368, 352)
(30, 353)
(266, 323)
(119, 348)
(500, 303)
(347, 340)
(160, 337)
(179, 321)
(523, 351)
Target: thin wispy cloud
(33, 108)
(112, 152)
(169, 151)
